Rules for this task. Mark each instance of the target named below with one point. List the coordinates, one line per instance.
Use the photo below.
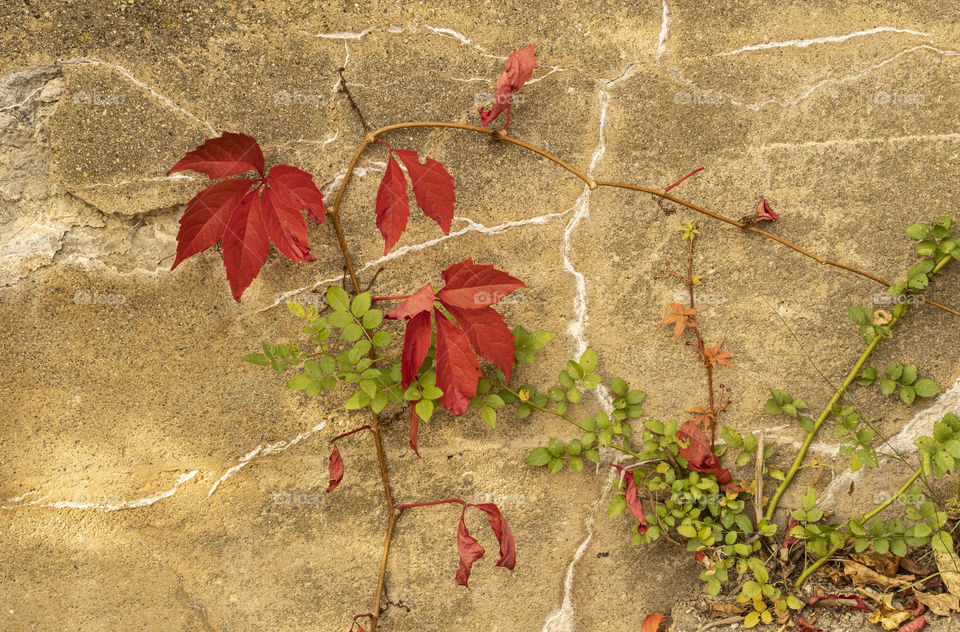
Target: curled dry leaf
(943, 604)
(724, 610)
(764, 212)
(517, 71)
(914, 626)
(336, 469)
(651, 623)
(501, 529)
(887, 564)
(882, 317)
(949, 567)
(864, 575)
(889, 617)
(803, 626)
(854, 602)
(699, 455)
(469, 549)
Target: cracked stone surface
(149, 480)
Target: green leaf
(617, 505)
(590, 381)
(573, 395)
(887, 386)
(731, 437)
(942, 542)
(592, 455)
(257, 358)
(296, 309)
(360, 304)
(618, 386)
(907, 394)
(771, 407)
(382, 338)
(538, 456)
(635, 396)
(588, 361)
(298, 382)
(918, 231)
(926, 388)
(557, 447)
(860, 315)
(352, 332)
(867, 376)
(555, 466)
(372, 318)
(380, 401)
(357, 401)
(909, 375)
(488, 415)
(576, 464)
(540, 339)
(925, 248)
(337, 299)
(340, 319)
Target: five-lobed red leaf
(457, 368)
(285, 227)
(227, 155)
(469, 549)
(501, 528)
(336, 469)
(245, 244)
(473, 286)
(205, 218)
(393, 206)
(432, 187)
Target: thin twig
(717, 624)
(353, 104)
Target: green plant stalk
(566, 418)
(802, 452)
(866, 517)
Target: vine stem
(591, 183)
(873, 512)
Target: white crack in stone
(265, 450)
(902, 442)
(829, 39)
(126, 74)
(130, 504)
(113, 185)
(665, 21)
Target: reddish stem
(380, 140)
(389, 298)
(347, 434)
(432, 503)
(694, 172)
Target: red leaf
(432, 187)
(393, 206)
(652, 623)
(416, 344)
(489, 335)
(245, 244)
(336, 469)
(414, 426)
(860, 603)
(699, 455)
(469, 549)
(508, 548)
(517, 72)
(285, 226)
(803, 626)
(457, 368)
(634, 503)
(765, 213)
(223, 157)
(419, 301)
(914, 626)
(473, 286)
(206, 217)
(295, 189)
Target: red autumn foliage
(517, 71)
(470, 550)
(651, 623)
(336, 469)
(680, 317)
(765, 213)
(414, 427)
(634, 504)
(914, 626)
(469, 291)
(433, 190)
(699, 455)
(246, 221)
